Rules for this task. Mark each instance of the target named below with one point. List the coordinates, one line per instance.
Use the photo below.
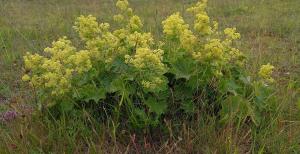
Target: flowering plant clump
(145, 80)
(53, 74)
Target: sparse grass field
(270, 31)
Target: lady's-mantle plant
(140, 80)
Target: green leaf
(261, 96)
(158, 107)
(236, 108)
(229, 85)
(90, 93)
(119, 66)
(116, 85)
(232, 87)
(183, 68)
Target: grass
(270, 32)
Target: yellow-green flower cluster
(126, 14)
(109, 45)
(137, 40)
(174, 27)
(118, 18)
(104, 27)
(122, 33)
(187, 39)
(120, 42)
(122, 4)
(49, 74)
(145, 58)
(218, 54)
(135, 23)
(202, 21)
(149, 65)
(232, 34)
(265, 72)
(87, 27)
(55, 73)
(61, 50)
(80, 61)
(236, 56)
(214, 50)
(33, 60)
(233, 54)
(215, 54)
(206, 48)
(104, 47)
(202, 24)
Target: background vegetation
(270, 32)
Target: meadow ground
(270, 31)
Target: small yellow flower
(138, 40)
(135, 23)
(118, 18)
(215, 26)
(26, 77)
(104, 27)
(122, 4)
(232, 34)
(266, 71)
(129, 11)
